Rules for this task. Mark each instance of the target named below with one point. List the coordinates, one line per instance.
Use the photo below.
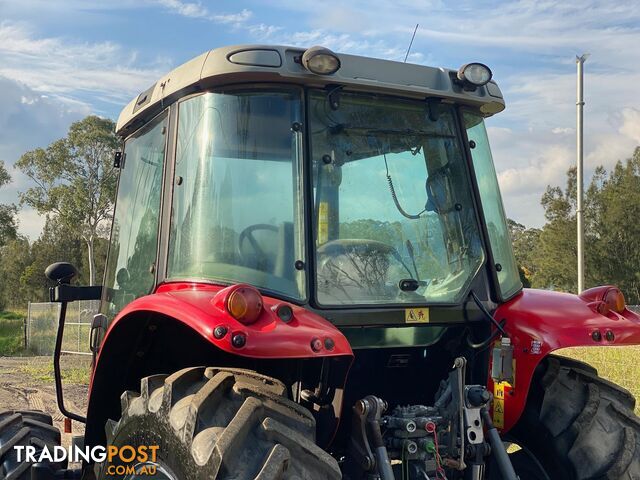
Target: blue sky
(63, 59)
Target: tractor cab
(320, 190)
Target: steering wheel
(247, 234)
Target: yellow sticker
(416, 315)
(323, 223)
(498, 404)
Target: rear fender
(540, 322)
(174, 328)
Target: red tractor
(310, 276)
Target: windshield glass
(237, 211)
(394, 217)
(501, 246)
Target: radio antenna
(411, 43)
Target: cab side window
(134, 236)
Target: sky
(61, 60)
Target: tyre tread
(234, 424)
(590, 422)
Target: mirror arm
(64, 293)
(56, 363)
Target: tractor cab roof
(266, 63)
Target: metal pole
(580, 180)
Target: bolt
(239, 340)
(220, 331)
(472, 144)
(597, 336)
(609, 336)
(329, 343)
(299, 265)
(316, 345)
(326, 159)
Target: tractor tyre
(26, 428)
(216, 423)
(576, 425)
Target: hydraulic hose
(497, 448)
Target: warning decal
(416, 315)
(498, 404)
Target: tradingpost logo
(123, 460)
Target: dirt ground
(26, 383)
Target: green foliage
(16, 258)
(525, 241)
(74, 180)
(385, 232)
(548, 256)
(11, 333)
(617, 220)
(7, 212)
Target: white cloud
(197, 10)
(72, 70)
(29, 120)
(563, 131)
(30, 223)
(631, 124)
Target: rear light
(613, 301)
(244, 304)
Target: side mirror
(61, 272)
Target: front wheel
(216, 423)
(32, 429)
(577, 426)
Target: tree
(55, 243)
(616, 212)
(557, 251)
(612, 234)
(74, 180)
(525, 242)
(7, 212)
(16, 258)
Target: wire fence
(42, 325)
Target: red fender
(540, 322)
(201, 307)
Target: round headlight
(475, 73)
(320, 60)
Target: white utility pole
(579, 210)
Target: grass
(74, 372)
(617, 364)
(11, 333)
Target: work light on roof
(320, 60)
(475, 74)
